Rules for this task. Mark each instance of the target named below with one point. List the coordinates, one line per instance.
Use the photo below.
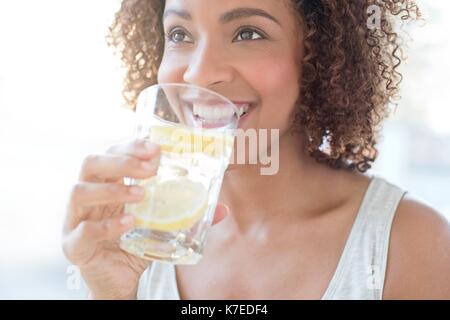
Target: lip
(242, 124)
(241, 102)
(219, 104)
(210, 102)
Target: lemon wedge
(171, 205)
(181, 140)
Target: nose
(208, 67)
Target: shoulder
(418, 264)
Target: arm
(418, 264)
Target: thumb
(222, 210)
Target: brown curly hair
(349, 71)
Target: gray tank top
(361, 268)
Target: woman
(319, 71)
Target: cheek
(171, 70)
(276, 79)
(273, 75)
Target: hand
(95, 218)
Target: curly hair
(349, 70)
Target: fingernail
(126, 220)
(136, 190)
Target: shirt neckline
(340, 266)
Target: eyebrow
(227, 16)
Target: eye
(249, 34)
(176, 35)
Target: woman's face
(246, 50)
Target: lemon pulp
(171, 205)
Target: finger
(140, 148)
(109, 167)
(221, 213)
(91, 193)
(87, 194)
(80, 244)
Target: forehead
(279, 8)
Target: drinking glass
(195, 128)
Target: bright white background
(60, 100)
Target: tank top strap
(361, 269)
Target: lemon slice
(171, 205)
(185, 141)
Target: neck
(295, 191)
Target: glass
(195, 128)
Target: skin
(269, 214)
(95, 218)
(285, 232)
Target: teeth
(242, 109)
(217, 113)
